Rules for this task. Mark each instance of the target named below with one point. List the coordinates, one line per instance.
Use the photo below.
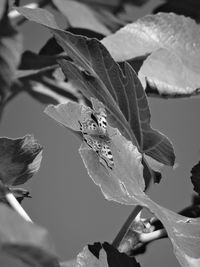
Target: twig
(16, 206)
(148, 237)
(126, 226)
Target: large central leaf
(124, 182)
(121, 92)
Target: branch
(123, 231)
(16, 206)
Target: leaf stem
(16, 206)
(116, 242)
(148, 237)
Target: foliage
(97, 76)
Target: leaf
(38, 76)
(128, 168)
(124, 182)
(103, 3)
(193, 210)
(114, 257)
(19, 159)
(172, 69)
(52, 47)
(121, 93)
(101, 255)
(71, 263)
(80, 15)
(25, 241)
(43, 16)
(195, 177)
(19, 193)
(10, 52)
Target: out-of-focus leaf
(42, 15)
(10, 52)
(173, 67)
(188, 8)
(124, 182)
(80, 15)
(25, 241)
(31, 256)
(195, 177)
(38, 76)
(112, 22)
(193, 210)
(70, 263)
(2, 7)
(113, 4)
(19, 159)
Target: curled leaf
(19, 159)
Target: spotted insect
(102, 148)
(95, 125)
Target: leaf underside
(172, 69)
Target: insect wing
(106, 154)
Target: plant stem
(126, 226)
(16, 206)
(148, 237)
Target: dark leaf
(19, 159)
(41, 77)
(101, 255)
(25, 241)
(53, 48)
(20, 193)
(114, 257)
(195, 177)
(188, 8)
(32, 61)
(193, 211)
